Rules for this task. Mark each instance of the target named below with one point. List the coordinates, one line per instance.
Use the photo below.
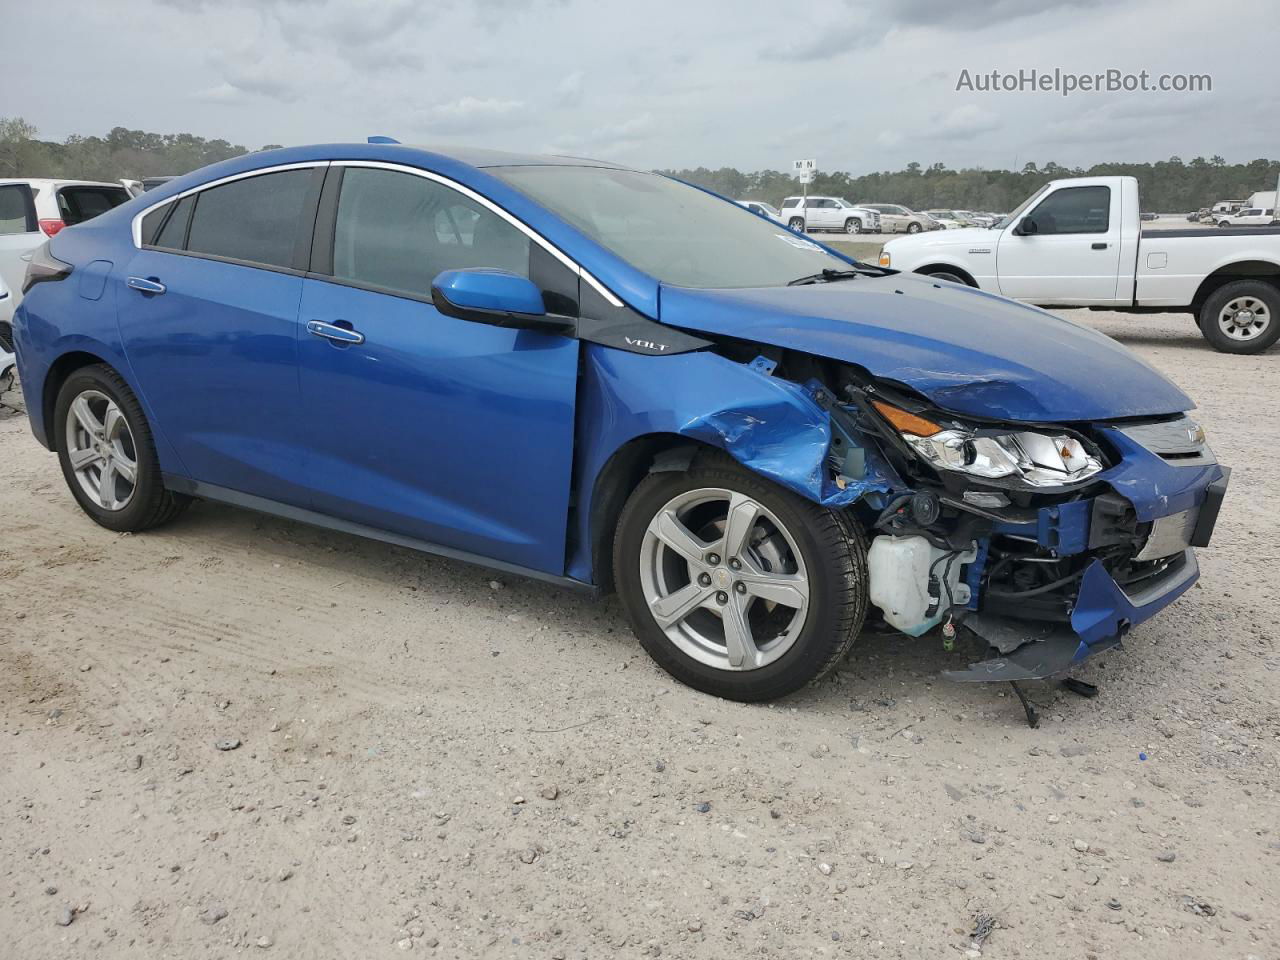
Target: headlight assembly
(1037, 459)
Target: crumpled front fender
(770, 425)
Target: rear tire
(812, 560)
(108, 455)
(1242, 317)
(796, 224)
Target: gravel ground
(238, 734)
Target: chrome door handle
(333, 332)
(144, 285)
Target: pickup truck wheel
(735, 586)
(1240, 317)
(948, 276)
(796, 224)
(913, 228)
(853, 225)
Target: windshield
(676, 233)
(1006, 220)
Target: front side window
(398, 232)
(1074, 210)
(671, 231)
(255, 220)
(17, 214)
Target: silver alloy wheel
(724, 579)
(1244, 318)
(101, 450)
(853, 226)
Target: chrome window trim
(488, 204)
(136, 223)
(600, 288)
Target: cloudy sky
(858, 85)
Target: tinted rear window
(256, 220)
(78, 204)
(173, 235)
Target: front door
(1073, 255)
(439, 429)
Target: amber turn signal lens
(907, 422)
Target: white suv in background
(31, 211)
(828, 213)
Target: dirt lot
(434, 761)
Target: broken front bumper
(1103, 611)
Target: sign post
(804, 169)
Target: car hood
(968, 351)
(965, 236)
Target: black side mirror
(1027, 228)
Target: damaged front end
(1046, 542)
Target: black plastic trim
(1209, 510)
(248, 501)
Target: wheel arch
(59, 371)
(1264, 270)
(618, 478)
(931, 268)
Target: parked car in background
(31, 210)
(7, 359)
(828, 213)
(1079, 243)
(976, 219)
(766, 210)
(750, 437)
(1148, 217)
(1227, 207)
(895, 218)
(1249, 217)
(949, 219)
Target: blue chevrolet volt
(612, 380)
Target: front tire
(949, 277)
(108, 455)
(1242, 317)
(913, 228)
(853, 225)
(735, 586)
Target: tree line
(1167, 185)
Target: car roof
(48, 182)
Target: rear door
(209, 316)
(1074, 254)
(443, 430)
(19, 234)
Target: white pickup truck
(1080, 243)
